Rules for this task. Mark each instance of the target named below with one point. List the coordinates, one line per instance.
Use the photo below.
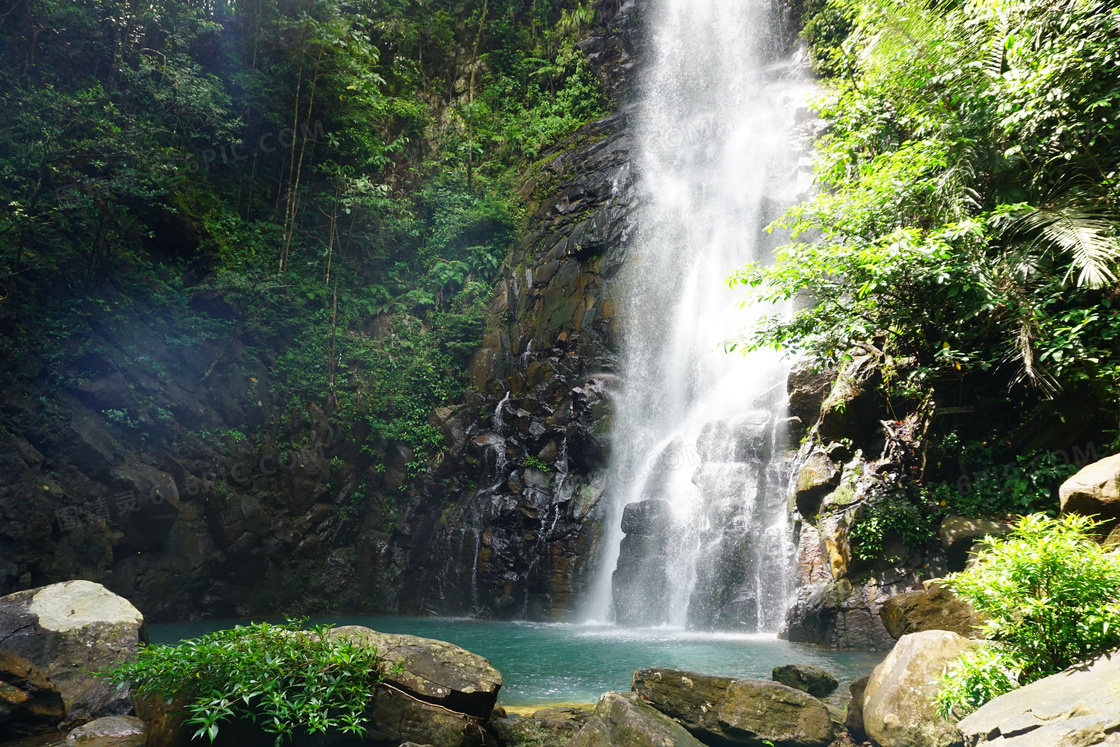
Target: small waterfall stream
(696, 533)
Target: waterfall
(696, 532)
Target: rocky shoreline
(54, 639)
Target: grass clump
(283, 678)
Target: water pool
(558, 662)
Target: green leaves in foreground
(1052, 598)
(284, 679)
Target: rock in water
(69, 630)
(1080, 706)
(898, 708)
(932, 609)
(552, 727)
(119, 731)
(622, 719)
(433, 671)
(1094, 490)
(806, 678)
(730, 711)
(29, 701)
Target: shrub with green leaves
(284, 679)
(1051, 595)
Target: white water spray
(698, 433)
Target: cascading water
(697, 533)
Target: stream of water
(698, 435)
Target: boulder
(69, 631)
(433, 671)
(1094, 490)
(817, 478)
(122, 731)
(807, 678)
(623, 719)
(854, 722)
(733, 711)
(935, 608)
(898, 708)
(29, 701)
(540, 730)
(1079, 706)
(960, 533)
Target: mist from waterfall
(699, 441)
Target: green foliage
(896, 518)
(966, 218)
(315, 164)
(537, 464)
(1051, 596)
(287, 680)
(975, 678)
(991, 486)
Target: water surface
(559, 662)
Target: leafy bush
(896, 518)
(1051, 595)
(280, 677)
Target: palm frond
(1076, 225)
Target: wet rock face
(853, 462)
(29, 701)
(69, 631)
(508, 524)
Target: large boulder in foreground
(898, 708)
(1094, 490)
(733, 711)
(935, 608)
(1080, 706)
(433, 671)
(69, 630)
(623, 719)
(29, 701)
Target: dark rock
(959, 533)
(646, 518)
(898, 707)
(535, 731)
(854, 722)
(70, 631)
(29, 702)
(433, 671)
(817, 478)
(733, 711)
(119, 731)
(1080, 706)
(854, 407)
(807, 390)
(839, 615)
(935, 608)
(623, 719)
(813, 680)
